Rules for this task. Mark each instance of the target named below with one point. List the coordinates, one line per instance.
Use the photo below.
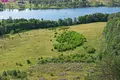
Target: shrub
(51, 74)
(28, 62)
(17, 64)
(52, 49)
(89, 49)
(14, 73)
(87, 58)
(4, 78)
(17, 74)
(4, 73)
(68, 41)
(12, 32)
(20, 64)
(22, 75)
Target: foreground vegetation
(109, 66)
(85, 58)
(111, 52)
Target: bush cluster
(69, 40)
(15, 74)
(87, 58)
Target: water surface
(55, 14)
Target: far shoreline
(20, 9)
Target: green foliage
(87, 58)
(38, 4)
(113, 3)
(90, 76)
(16, 25)
(114, 15)
(59, 3)
(69, 40)
(116, 67)
(51, 74)
(14, 74)
(93, 18)
(61, 22)
(68, 22)
(28, 62)
(19, 64)
(12, 32)
(4, 73)
(89, 49)
(111, 57)
(1, 6)
(5, 78)
(112, 36)
(75, 21)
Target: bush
(20, 64)
(87, 58)
(17, 74)
(28, 62)
(4, 73)
(51, 74)
(4, 78)
(89, 49)
(68, 41)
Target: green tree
(75, 20)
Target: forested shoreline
(57, 4)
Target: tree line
(16, 25)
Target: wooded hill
(37, 4)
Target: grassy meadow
(33, 44)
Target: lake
(55, 14)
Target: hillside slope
(39, 43)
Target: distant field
(39, 43)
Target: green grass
(37, 43)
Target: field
(64, 71)
(18, 48)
